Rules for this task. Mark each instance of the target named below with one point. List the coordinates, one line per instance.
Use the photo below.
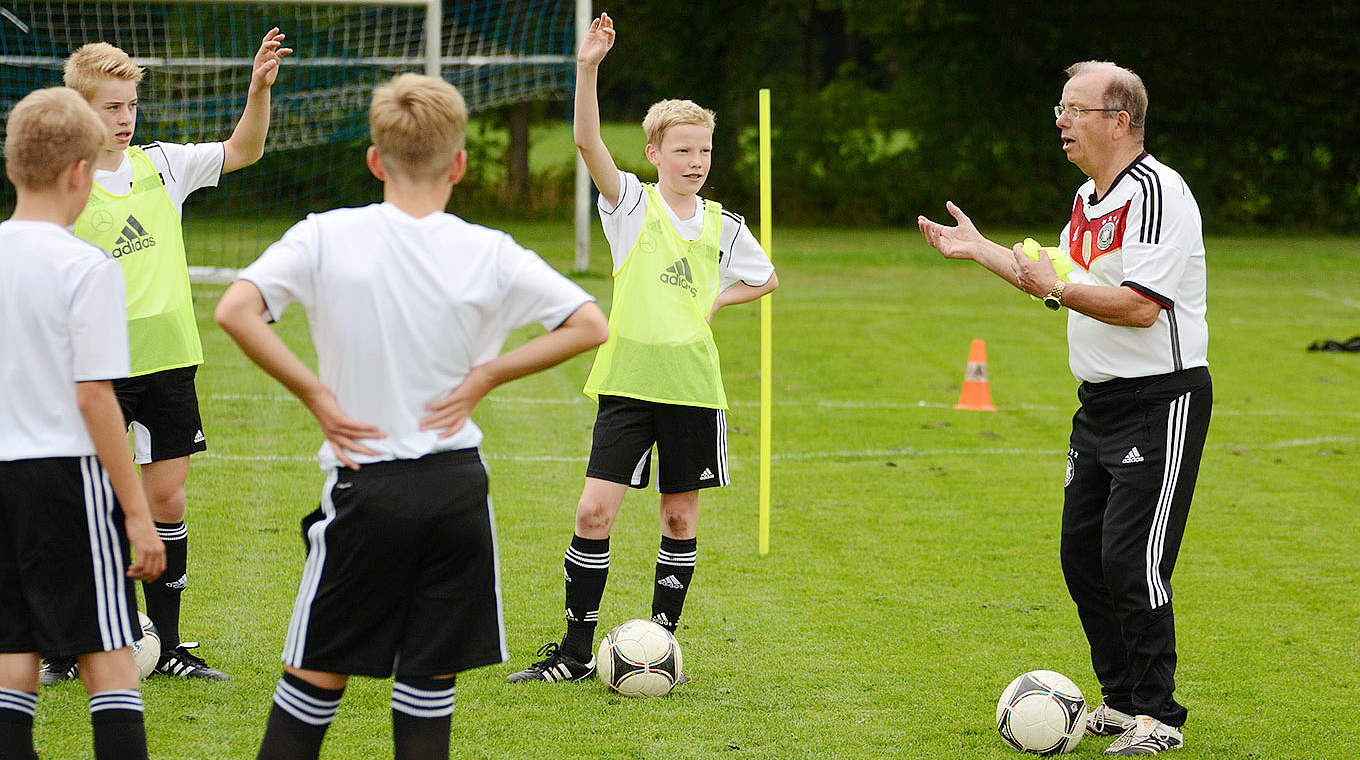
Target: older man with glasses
(1138, 342)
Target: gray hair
(1125, 90)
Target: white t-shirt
(740, 257)
(401, 308)
(183, 169)
(1144, 234)
(62, 321)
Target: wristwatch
(1054, 298)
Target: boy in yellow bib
(677, 259)
(134, 214)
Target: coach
(1137, 341)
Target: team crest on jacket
(1093, 238)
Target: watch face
(1052, 303)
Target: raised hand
(597, 41)
(268, 60)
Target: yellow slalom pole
(765, 321)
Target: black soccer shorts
(162, 411)
(401, 574)
(63, 558)
(691, 442)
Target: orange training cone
(977, 395)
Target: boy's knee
(592, 517)
(678, 523)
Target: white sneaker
(1147, 736)
(1107, 721)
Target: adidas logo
(671, 581)
(661, 619)
(198, 437)
(1133, 457)
(681, 275)
(180, 584)
(134, 238)
(707, 474)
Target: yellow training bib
(660, 347)
(142, 231)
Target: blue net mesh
(198, 59)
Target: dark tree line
(885, 108)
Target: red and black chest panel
(1089, 239)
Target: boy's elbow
(773, 284)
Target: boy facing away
(69, 498)
(134, 213)
(677, 259)
(409, 308)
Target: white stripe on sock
(422, 703)
(309, 709)
(116, 699)
(25, 702)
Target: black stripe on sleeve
(1152, 204)
(1150, 294)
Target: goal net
(198, 55)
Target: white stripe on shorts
(106, 556)
(296, 641)
(1177, 420)
(722, 446)
(641, 467)
(496, 567)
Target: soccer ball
(1041, 712)
(147, 650)
(639, 659)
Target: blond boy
(678, 259)
(69, 498)
(134, 213)
(409, 308)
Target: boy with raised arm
(134, 213)
(677, 259)
(409, 307)
(69, 498)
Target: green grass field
(914, 565)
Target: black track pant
(1134, 456)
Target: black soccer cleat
(178, 662)
(58, 669)
(556, 665)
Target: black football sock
(674, 570)
(298, 720)
(16, 723)
(422, 714)
(119, 733)
(587, 567)
(162, 594)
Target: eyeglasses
(1076, 111)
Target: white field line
(825, 404)
(803, 456)
(1354, 304)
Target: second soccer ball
(639, 659)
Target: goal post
(198, 55)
